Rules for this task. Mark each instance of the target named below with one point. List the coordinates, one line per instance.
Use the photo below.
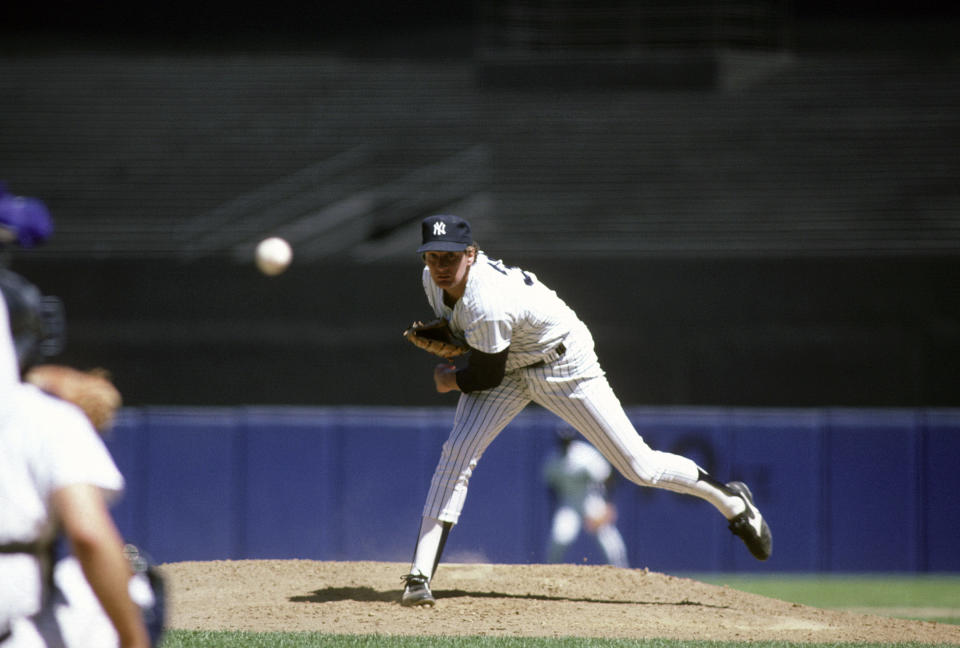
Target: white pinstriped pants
(575, 389)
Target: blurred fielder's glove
(24, 221)
(91, 391)
(608, 515)
(435, 337)
(148, 590)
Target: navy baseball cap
(445, 233)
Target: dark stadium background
(805, 308)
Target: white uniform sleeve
(487, 316)
(72, 451)
(489, 333)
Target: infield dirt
(507, 600)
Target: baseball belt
(551, 356)
(22, 547)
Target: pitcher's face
(449, 269)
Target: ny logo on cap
(439, 228)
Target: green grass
(927, 597)
(914, 597)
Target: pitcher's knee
(641, 476)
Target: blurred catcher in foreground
(57, 480)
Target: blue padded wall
(843, 490)
(939, 510)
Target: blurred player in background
(526, 345)
(579, 479)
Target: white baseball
(273, 255)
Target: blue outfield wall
(843, 490)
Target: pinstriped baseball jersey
(505, 306)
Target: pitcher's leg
(594, 410)
(480, 417)
(426, 556)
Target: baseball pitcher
(524, 344)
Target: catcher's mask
(36, 321)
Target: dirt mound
(506, 600)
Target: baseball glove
(435, 337)
(91, 391)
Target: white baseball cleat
(750, 525)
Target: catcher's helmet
(36, 321)
(23, 220)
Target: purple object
(27, 220)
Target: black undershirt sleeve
(484, 371)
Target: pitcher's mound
(508, 600)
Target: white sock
(685, 476)
(729, 505)
(431, 532)
(723, 499)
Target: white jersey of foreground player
(45, 444)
